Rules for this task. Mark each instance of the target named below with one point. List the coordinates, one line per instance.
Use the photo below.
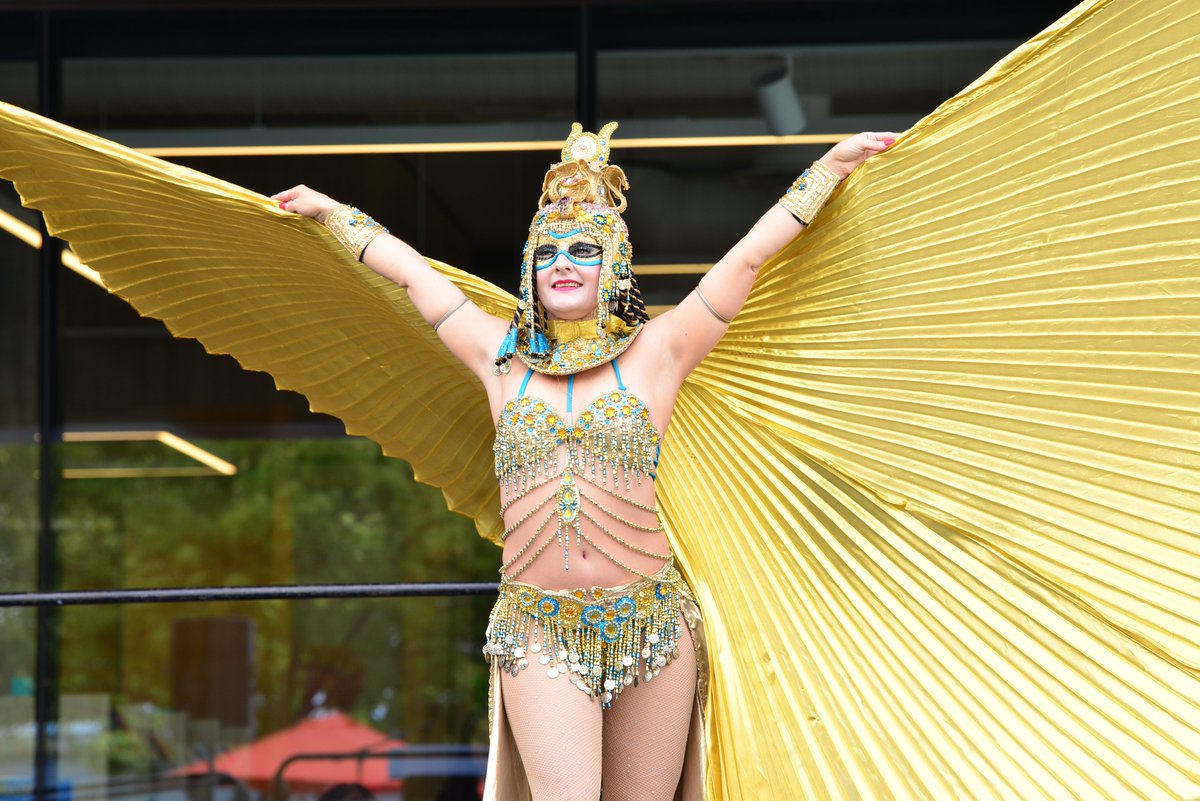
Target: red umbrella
(328, 733)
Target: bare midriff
(534, 551)
(577, 493)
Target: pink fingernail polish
(281, 205)
(888, 141)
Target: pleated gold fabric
(223, 265)
(937, 490)
(964, 409)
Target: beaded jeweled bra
(603, 639)
(612, 440)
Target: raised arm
(470, 333)
(693, 328)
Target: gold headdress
(582, 192)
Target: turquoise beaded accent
(528, 435)
(613, 431)
(600, 640)
(613, 438)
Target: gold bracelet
(808, 193)
(354, 229)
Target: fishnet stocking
(637, 746)
(646, 731)
(557, 730)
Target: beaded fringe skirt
(600, 643)
(601, 639)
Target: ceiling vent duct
(779, 102)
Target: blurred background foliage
(298, 511)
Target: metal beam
(47, 655)
(585, 70)
(288, 592)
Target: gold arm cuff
(354, 229)
(808, 193)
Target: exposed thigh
(646, 731)
(558, 730)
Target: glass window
(19, 337)
(297, 511)
(19, 520)
(157, 699)
(689, 205)
(320, 99)
(318, 77)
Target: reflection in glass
(329, 510)
(18, 489)
(17, 730)
(155, 694)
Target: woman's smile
(567, 267)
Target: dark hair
(348, 791)
(632, 310)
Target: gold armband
(353, 229)
(808, 193)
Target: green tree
(298, 511)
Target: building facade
(131, 460)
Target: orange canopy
(333, 732)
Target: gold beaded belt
(602, 639)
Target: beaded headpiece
(583, 192)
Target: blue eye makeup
(580, 253)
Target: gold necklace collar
(567, 330)
(563, 331)
(575, 345)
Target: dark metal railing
(427, 760)
(268, 592)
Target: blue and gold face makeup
(576, 245)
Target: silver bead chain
(618, 518)
(528, 514)
(504, 507)
(620, 541)
(525, 547)
(629, 501)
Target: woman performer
(935, 489)
(591, 607)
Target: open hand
(309, 202)
(847, 154)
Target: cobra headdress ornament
(582, 193)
